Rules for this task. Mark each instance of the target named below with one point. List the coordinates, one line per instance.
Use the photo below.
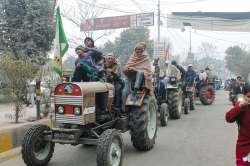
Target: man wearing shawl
(113, 70)
(139, 61)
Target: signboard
(159, 50)
(143, 19)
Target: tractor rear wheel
(207, 95)
(143, 124)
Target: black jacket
(189, 77)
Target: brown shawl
(140, 63)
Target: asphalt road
(202, 138)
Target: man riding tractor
(188, 89)
(160, 94)
(174, 93)
(76, 117)
(205, 88)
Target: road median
(11, 138)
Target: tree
(123, 45)
(69, 63)
(237, 61)
(207, 49)
(26, 29)
(77, 13)
(218, 66)
(15, 74)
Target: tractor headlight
(172, 80)
(77, 111)
(60, 110)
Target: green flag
(61, 44)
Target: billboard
(116, 22)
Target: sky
(179, 39)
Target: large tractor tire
(35, 150)
(174, 104)
(207, 95)
(164, 114)
(143, 124)
(110, 149)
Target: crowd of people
(91, 61)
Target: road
(202, 138)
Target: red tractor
(205, 91)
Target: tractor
(85, 114)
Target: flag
(61, 44)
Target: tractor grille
(72, 100)
(71, 119)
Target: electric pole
(159, 21)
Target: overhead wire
(215, 38)
(199, 20)
(128, 12)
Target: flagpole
(61, 64)
(60, 48)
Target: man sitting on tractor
(84, 68)
(171, 71)
(139, 61)
(113, 71)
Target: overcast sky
(179, 39)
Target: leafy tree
(123, 45)
(26, 28)
(15, 74)
(237, 61)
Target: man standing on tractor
(190, 75)
(95, 54)
(209, 73)
(202, 75)
(181, 69)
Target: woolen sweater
(242, 117)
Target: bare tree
(207, 50)
(81, 10)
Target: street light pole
(190, 39)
